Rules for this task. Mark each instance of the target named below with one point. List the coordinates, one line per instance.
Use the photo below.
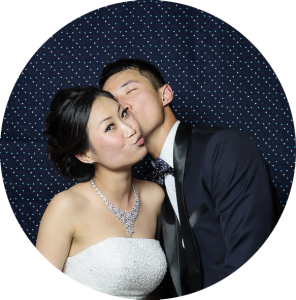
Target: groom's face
(135, 91)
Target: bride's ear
(84, 158)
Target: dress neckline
(108, 238)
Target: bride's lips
(140, 141)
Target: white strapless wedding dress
(125, 267)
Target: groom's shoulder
(216, 134)
(215, 138)
(230, 144)
(223, 140)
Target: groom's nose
(125, 104)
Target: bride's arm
(56, 230)
(159, 194)
(155, 295)
(155, 195)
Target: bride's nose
(129, 130)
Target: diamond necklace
(127, 218)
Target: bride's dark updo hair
(66, 125)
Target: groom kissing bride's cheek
(219, 205)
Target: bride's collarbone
(95, 231)
(94, 223)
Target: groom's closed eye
(131, 91)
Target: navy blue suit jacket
(228, 202)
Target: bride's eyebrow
(108, 118)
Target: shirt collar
(167, 152)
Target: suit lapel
(172, 238)
(170, 232)
(181, 145)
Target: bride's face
(114, 134)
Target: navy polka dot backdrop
(219, 79)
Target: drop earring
(91, 161)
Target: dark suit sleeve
(237, 179)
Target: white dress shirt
(167, 154)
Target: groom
(218, 209)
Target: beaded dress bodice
(124, 267)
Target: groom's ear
(167, 94)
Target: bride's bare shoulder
(149, 190)
(69, 200)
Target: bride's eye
(109, 127)
(124, 113)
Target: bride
(101, 232)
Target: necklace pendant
(127, 218)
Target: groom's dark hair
(145, 68)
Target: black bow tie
(161, 169)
